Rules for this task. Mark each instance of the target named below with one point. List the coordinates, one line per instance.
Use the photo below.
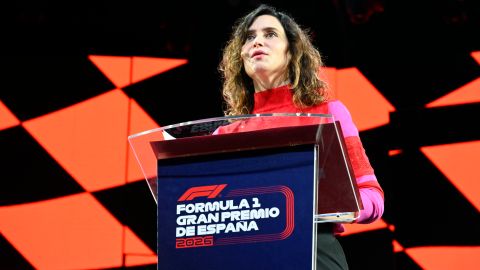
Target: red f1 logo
(210, 192)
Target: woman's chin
(260, 69)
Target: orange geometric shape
(367, 105)
(469, 93)
(89, 139)
(73, 232)
(369, 108)
(138, 122)
(397, 247)
(138, 260)
(394, 152)
(329, 75)
(118, 69)
(445, 258)
(7, 118)
(354, 228)
(135, 251)
(125, 70)
(476, 56)
(146, 67)
(145, 158)
(459, 163)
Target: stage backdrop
(73, 197)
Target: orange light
(139, 121)
(394, 152)
(445, 258)
(476, 56)
(329, 75)
(397, 247)
(469, 93)
(123, 70)
(89, 139)
(7, 119)
(359, 228)
(459, 163)
(369, 108)
(146, 67)
(73, 232)
(136, 251)
(116, 68)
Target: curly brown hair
(303, 69)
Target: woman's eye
(271, 34)
(250, 37)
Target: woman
(270, 66)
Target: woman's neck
(265, 84)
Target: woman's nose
(258, 42)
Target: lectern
(246, 192)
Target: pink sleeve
(372, 205)
(370, 191)
(341, 113)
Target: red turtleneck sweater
(279, 100)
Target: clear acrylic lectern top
(147, 158)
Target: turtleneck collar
(273, 100)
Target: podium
(246, 192)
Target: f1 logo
(210, 192)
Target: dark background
(413, 52)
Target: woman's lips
(258, 55)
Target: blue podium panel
(238, 210)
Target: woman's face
(265, 52)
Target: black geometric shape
(45, 83)
(175, 96)
(28, 173)
(10, 258)
(428, 210)
(403, 261)
(377, 143)
(436, 62)
(433, 126)
(369, 250)
(133, 205)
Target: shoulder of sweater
(333, 100)
(336, 106)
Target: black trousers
(330, 255)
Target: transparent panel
(260, 131)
